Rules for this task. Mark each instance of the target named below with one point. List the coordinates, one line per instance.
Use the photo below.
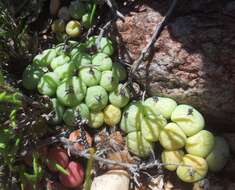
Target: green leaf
(58, 167)
(88, 180)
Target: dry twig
(146, 51)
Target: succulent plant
(172, 137)
(131, 118)
(108, 81)
(96, 98)
(57, 113)
(188, 119)
(90, 76)
(119, 71)
(72, 114)
(105, 45)
(120, 96)
(112, 115)
(86, 20)
(31, 76)
(73, 28)
(59, 61)
(137, 144)
(165, 105)
(96, 119)
(48, 84)
(196, 172)
(45, 58)
(71, 92)
(172, 157)
(102, 62)
(219, 155)
(81, 59)
(151, 128)
(200, 144)
(65, 71)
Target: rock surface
(194, 58)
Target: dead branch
(146, 51)
(113, 7)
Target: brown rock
(194, 58)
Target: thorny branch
(134, 169)
(146, 51)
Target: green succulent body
(96, 119)
(219, 155)
(108, 81)
(200, 144)
(71, 92)
(96, 98)
(188, 119)
(165, 105)
(120, 96)
(172, 137)
(59, 61)
(196, 172)
(138, 145)
(173, 157)
(102, 62)
(65, 71)
(48, 84)
(45, 58)
(90, 76)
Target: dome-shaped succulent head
(31, 76)
(108, 81)
(188, 119)
(172, 137)
(200, 144)
(137, 144)
(120, 96)
(102, 62)
(173, 157)
(105, 45)
(96, 98)
(219, 155)
(81, 59)
(131, 118)
(112, 115)
(65, 71)
(90, 76)
(73, 115)
(45, 58)
(96, 119)
(48, 84)
(73, 28)
(71, 92)
(165, 105)
(194, 170)
(59, 61)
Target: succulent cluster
(188, 148)
(81, 85)
(70, 20)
